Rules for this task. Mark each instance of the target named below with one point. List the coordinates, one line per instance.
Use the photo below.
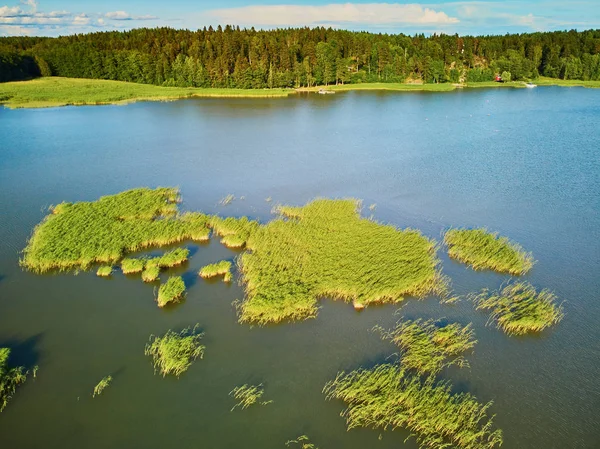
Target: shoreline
(57, 91)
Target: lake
(522, 162)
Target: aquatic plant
(150, 273)
(171, 291)
(222, 268)
(104, 271)
(427, 346)
(248, 395)
(77, 235)
(173, 353)
(171, 258)
(234, 231)
(102, 385)
(302, 441)
(325, 249)
(388, 397)
(10, 378)
(519, 309)
(486, 250)
(227, 200)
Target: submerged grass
(325, 249)
(77, 235)
(101, 386)
(171, 291)
(485, 250)
(173, 353)
(10, 378)
(247, 395)
(303, 442)
(388, 397)
(427, 346)
(518, 309)
(222, 268)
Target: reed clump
(519, 309)
(303, 442)
(234, 232)
(428, 346)
(222, 268)
(247, 395)
(388, 397)
(485, 250)
(104, 271)
(10, 378)
(132, 265)
(150, 273)
(101, 386)
(325, 249)
(171, 291)
(174, 353)
(77, 235)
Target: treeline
(246, 58)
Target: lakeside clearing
(58, 91)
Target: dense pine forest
(246, 58)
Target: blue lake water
(522, 162)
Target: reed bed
(485, 250)
(174, 353)
(222, 268)
(428, 346)
(77, 235)
(388, 397)
(150, 273)
(247, 395)
(132, 265)
(171, 291)
(234, 232)
(101, 386)
(10, 378)
(104, 271)
(518, 309)
(325, 249)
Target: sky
(474, 17)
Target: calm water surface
(525, 163)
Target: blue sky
(56, 17)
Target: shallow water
(525, 163)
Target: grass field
(444, 87)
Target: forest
(230, 57)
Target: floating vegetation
(325, 249)
(519, 309)
(173, 353)
(132, 266)
(171, 291)
(172, 258)
(10, 378)
(103, 384)
(222, 268)
(427, 346)
(150, 273)
(104, 271)
(234, 231)
(248, 395)
(77, 235)
(388, 397)
(485, 250)
(227, 200)
(303, 442)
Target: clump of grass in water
(132, 266)
(234, 232)
(10, 378)
(171, 291)
(227, 200)
(388, 397)
(104, 271)
(518, 309)
(427, 347)
(485, 250)
(173, 353)
(248, 395)
(102, 385)
(222, 268)
(325, 249)
(150, 273)
(302, 441)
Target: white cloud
(300, 15)
(7, 11)
(81, 19)
(123, 15)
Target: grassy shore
(444, 87)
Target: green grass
(234, 232)
(75, 236)
(427, 346)
(104, 271)
(484, 250)
(302, 442)
(247, 395)
(171, 291)
(101, 386)
(518, 309)
(544, 81)
(325, 249)
(56, 91)
(10, 378)
(150, 273)
(387, 397)
(442, 87)
(222, 268)
(173, 353)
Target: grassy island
(485, 250)
(387, 397)
(325, 249)
(173, 353)
(518, 309)
(222, 268)
(171, 291)
(104, 271)
(10, 378)
(427, 346)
